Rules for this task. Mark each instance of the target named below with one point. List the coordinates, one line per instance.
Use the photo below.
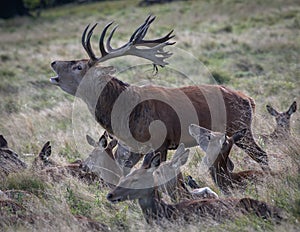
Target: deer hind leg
(253, 150)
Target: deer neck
(220, 173)
(100, 94)
(106, 101)
(280, 132)
(154, 207)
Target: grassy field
(250, 46)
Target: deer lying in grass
(101, 160)
(217, 147)
(142, 184)
(282, 130)
(213, 105)
(9, 160)
(167, 177)
(45, 165)
(108, 164)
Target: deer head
(137, 184)
(71, 73)
(282, 118)
(169, 170)
(125, 158)
(143, 182)
(215, 143)
(101, 160)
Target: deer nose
(53, 63)
(109, 196)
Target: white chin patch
(54, 80)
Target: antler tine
(88, 42)
(143, 28)
(160, 40)
(108, 46)
(138, 29)
(139, 34)
(83, 35)
(146, 27)
(153, 51)
(85, 40)
(101, 41)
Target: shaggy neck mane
(106, 100)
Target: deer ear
(91, 141)
(201, 135)
(196, 130)
(155, 161)
(292, 108)
(46, 151)
(112, 143)
(271, 110)
(181, 160)
(3, 142)
(239, 135)
(180, 157)
(180, 149)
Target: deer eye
(79, 67)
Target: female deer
(108, 164)
(142, 184)
(217, 147)
(282, 130)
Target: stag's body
(142, 184)
(217, 106)
(105, 90)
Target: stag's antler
(153, 49)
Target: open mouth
(54, 80)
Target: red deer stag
(136, 186)
(217, 147)
(205, 105)
(282, 130)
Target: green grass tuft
(25, 181)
